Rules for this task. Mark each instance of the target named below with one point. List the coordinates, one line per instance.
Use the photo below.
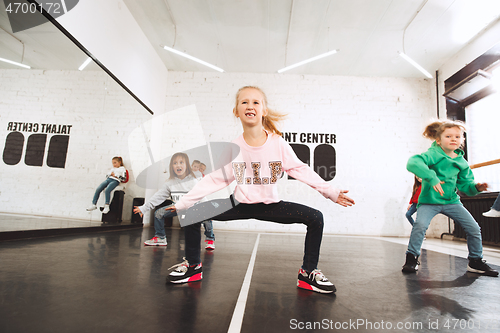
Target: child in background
(116, 175)
(196, 169)
(203, 167)
(180, 182)
(209, 237)
(443, 169)
(412, 207)
(262, 158)
(495, 209)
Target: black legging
(280, 212)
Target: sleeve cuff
(333, 194)
(178, 206)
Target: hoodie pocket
(449, 189)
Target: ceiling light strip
(15, 63)
(417, 66)
(185, 55)
(308, 61)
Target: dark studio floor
(110, 282)
(18, 226)
(17, 222)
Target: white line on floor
(239, 310)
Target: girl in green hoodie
(443, 170)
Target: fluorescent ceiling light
(185, 55)
(417, 66)
(89, 59)
(15, 63)
(307, 61)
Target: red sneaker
(210, 245)
(156, 241)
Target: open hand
(344, 200)
(137, 210)
(438, 188)
(481, 187)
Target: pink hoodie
(256, 171)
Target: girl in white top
(181, 180)
(116, 175)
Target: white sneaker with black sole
(315, 281)
(183, 273)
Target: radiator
(490, 227)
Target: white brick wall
(102, 115)
(378, 123)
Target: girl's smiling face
(116, 164)
(179, 166)
(250, 108)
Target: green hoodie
(435, 166)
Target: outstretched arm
(209, 184)
(301, 171)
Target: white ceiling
(263, 36)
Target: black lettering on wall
(303, 153)
(325, 158)
(35, 149)
(13, 151)
(58, 149)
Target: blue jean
(410, 212)
(280, 212)
(459, 214)
(496, 204)
(161, 214)
(109, 184)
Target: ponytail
(118, 159)
(434, 130)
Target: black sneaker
(183, 273)
(315, 281)
(411, 264)
(479, 266)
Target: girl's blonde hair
(188, 172)
(434, 130)
(269, 122)
(119, 159)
